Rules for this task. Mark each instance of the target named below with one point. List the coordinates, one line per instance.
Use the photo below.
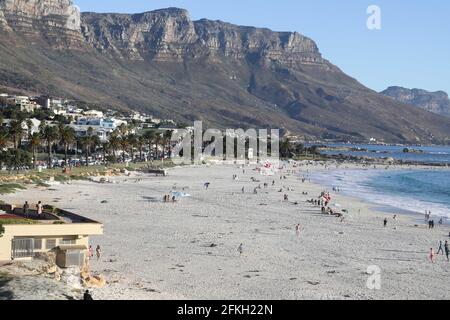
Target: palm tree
(67, 136)
(89, 142)
(158, 141)
(123, 129)
(106, 146)
(140, 144)
(124, 143)
(167, 137)
(35, 143)
(285, 148)
(49, 134)
(16, 132)
(114, 142)
(132, 142)
(4, 140)
(150, 137)
(29, 127)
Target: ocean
(412, 191)
(397, 191)
(430, 154)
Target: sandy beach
(189, 249)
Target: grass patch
(10, 188)
(5, 222)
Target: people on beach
(297, 230)
(432, 255)
(39, 209)
(385, 222)
(441, 248)
(99, 252)
(90, 253)
(241, 249)
(447, 250)
(207, 184)
(26, 208)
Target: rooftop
(14, 214)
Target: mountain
(229, 76)
(437, 102)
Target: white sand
(154, 250)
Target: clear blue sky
(412, 49)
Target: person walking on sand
(39, 209)
(90, 253)
(297, 230)
(432, 255)
(385, 222)
(26, 208)
(241, 249)
(441, 248)
(447, 250)
(99, 252)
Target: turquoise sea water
(395, 191)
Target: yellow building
(55, 230)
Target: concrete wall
(80, 231)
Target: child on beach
(90, 253)
(432, 255)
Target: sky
(412, 48)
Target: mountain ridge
(164, 63)
(437, 102)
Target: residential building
(55, 230)
(24, 103)
(93, 114)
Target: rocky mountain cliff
(437, 102)
(164, 63)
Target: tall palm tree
(114, 142)
(16, 132)
(124, 143)
(49, 134)
(68, 137)
(35, 142)
(167, 137)
(106, 147)
(140, 144)
(132, 142)
(29, 127)
(150, 137)
(158, 142)
(89, 142)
